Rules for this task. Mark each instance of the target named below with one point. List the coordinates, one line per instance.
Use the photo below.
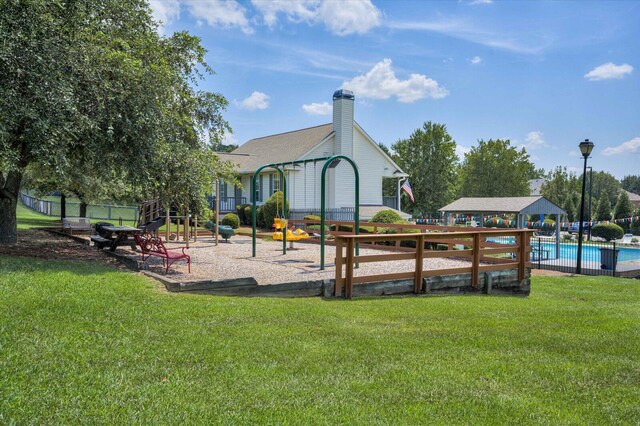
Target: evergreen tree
(570, 208)
(624, 209)
(603, 212)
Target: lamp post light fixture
(585, 149)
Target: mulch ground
(46, 245)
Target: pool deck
(624, 269)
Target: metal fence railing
(597, 258)
(94, 211)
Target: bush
(260, 223)
(272, 208)
(635, 225)
(386, 216)
(248, 209)
(241, 209)
(312, 217)
(316, 229)
(231, 220)
(608, 231)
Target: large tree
(89, 89)
(604, 183)
(429, 157)
(623, 209)
(631, 183)
(560, 185)
(494, 168)
(603, 211)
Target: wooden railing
(149, 211)
(476, 248)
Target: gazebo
(521, 206)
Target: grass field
(28, 218)
(83, 343)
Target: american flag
(407, 188)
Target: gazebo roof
(496, 205)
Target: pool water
(589, 252)
(570, 251)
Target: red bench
(150, 245)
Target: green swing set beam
(255, 197)
(356, 218)
(280, 168)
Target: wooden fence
(476, 248)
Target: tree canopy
(623, 209)
(631, 183)
(603, 211)
(93, 97)
(495, 168)
(429, 157)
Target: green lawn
(82, 343)
(28, 218)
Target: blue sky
(545, 75)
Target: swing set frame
(329, 162)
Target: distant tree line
(496, 168)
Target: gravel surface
(233, 260)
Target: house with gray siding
(342, 136)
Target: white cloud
(475, 60)
(461, 151)
(220, 13)
(535, 140)
(381, 83)
(317, 108)
(630, 146)
(165, 11)
(257, 100)
(469, 31)
(481, 2)
(340, 17)
(608, 71)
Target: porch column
(398, 204)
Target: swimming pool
(570, 250)
(589, 252)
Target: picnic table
(116, 236)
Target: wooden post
(167, 225)
(522, 254)
(215, 219)
(339, 280)
(195, 228)
(475, 266)
(417, 286)
(186, 228)
(349, 273)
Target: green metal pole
(284, 205)
(322, 202)
(253, 211)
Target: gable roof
(284, 147)
(635, 198)
(278, 148)
(524, 205)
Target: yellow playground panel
(279, 223)
(296, 235)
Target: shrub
(608, 231)
(316, 229)
(231, 219)
(272, 208)
(248, 209)
(386, 216)
(312, 217)
(241, 210)
(635, 225)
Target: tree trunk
(83, 209)
(63, 206)
(9, 189)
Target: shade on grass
(84, 343)
(28, 218)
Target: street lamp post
(590, 194)
(585, 149)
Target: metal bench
(150, 245)
(70, 224)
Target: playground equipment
(329, 162)
(292, 236)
